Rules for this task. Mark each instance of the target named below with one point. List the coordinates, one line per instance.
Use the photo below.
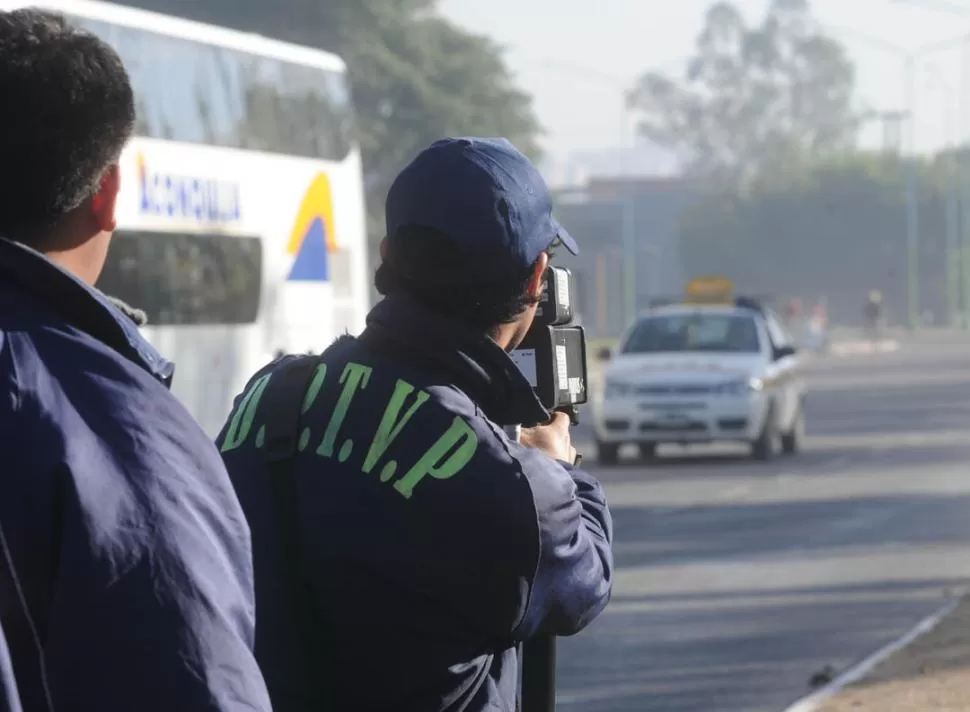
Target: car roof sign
(709, 290)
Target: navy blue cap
(483, 193)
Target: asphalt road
(737, 581)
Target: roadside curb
(814, 701)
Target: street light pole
(910, 58)
(951, 252)
(958, 261)
(953, 270)
(912, 200)
(962, 255)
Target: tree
(835, 228)
(415, 77)
(428, 81)
(753, 99)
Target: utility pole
(602, 297)
(628, 208)
(954, 194)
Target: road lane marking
(864, 667)
(852, 348)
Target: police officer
(872, 312)
(125, 561)
(431, 544)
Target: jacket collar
(478, 365)
(82, 306)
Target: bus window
(265, 116)
(186, 279)
(201, 93)
(318, 124)
(296, 95)
(226, 109)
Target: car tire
(791, 442)
(763, 449)
(648, 451)
(607, 453)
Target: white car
(702, 373)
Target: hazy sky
(577, 56)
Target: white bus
(241, 220)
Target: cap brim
(565, 238)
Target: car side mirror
(784, 352)
(604, 354)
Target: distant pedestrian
(873, 315)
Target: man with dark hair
(420, 545)
(125, 570)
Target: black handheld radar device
(553, 354)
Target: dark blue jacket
(126, 556)
(432, 543)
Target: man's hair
(68, 111)
(431, 268)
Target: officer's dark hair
(431, 268)
(68, 111)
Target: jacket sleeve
(9, 696)
(153, 604)
(573, 577)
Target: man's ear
(538, 276)
(104, 204)
(383, 249)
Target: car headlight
(740, 386)
(616, 390)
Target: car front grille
(674, 389)
(694, 426)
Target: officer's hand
(552, 439)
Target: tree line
(765, 117)
(836, 229)
(415, 76)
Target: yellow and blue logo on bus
(314, 239)
(187, 197)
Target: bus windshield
(196, 92)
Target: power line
(579, 71)
(939, 5)
(584, 72)
(591, 74)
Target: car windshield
(694, 332)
